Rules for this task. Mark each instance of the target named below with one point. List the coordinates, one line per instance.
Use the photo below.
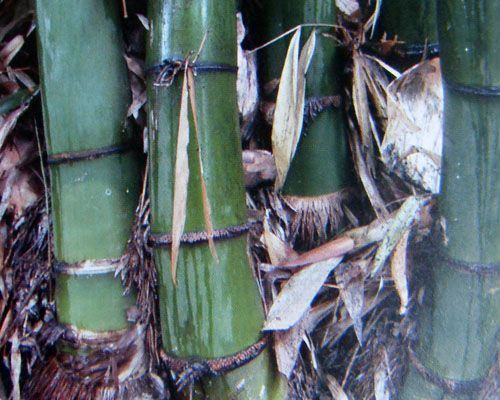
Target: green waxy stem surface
(85, 96)
(322, 161)
(471, 52)
(412, 21)
(461, 312)
(111, 312)
(215, 308)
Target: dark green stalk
(85, 95)
(322, 162)
(215, 309)
(413, 23)
(459, 323)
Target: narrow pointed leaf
(181, 177)
(285, 118)
(296, 297)
(207, 213)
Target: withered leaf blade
(350, 279)
(207, 213)
(402, 222)
(287, 343)
(181, 178)
(9, 51)
(289, 111)
(334, 248)
(398, 271)
(348, 7)
(298, 293)
(285, 119)
(413, 139)
(335, 389)
(279, 251)
(15, 366)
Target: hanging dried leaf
(381, 384)
(9, 51)
(181, 177)
(350, 279)
(348, 7)
(287, 343)
(335, 389)
(246, 83)
(367, 179)
(15, 366)
(259, 167)
(398, 227)
(207, 213)
(296, 297)
(289, 112)
(334, 248)
(8, 122)
(279, 251)
(414, 136)
(398, 271)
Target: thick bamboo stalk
(214, 309)
(322, 161)
(85, 95)
(459, 322)
(412, 21)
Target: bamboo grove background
(349, 252)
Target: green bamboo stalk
(85, 94)
(412, 21)
(462, 311)
(215, 309)
(322, 162)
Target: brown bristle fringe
(314, 220)
(116, 370)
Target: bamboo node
(86, 155)
(166, 72)
(193, 369)
(452, 386)
(487, 91)
(230, 232)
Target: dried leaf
(135, 65)
(399, 226)
(335, 389)
(15, 366)
(207, 213)
(398, 271)
(287, 343)
(286, 347)
(296, 296)
(367, 180)
(278, 250)
(381, 384)
(246, 83)
(181, 177)
(138, 96)
(348, 7)
(334, 248)
(259, 167)
(8, 122)
(414, 136)
(289, 111)
(350, 279)
(144, 21)
(10, 50)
